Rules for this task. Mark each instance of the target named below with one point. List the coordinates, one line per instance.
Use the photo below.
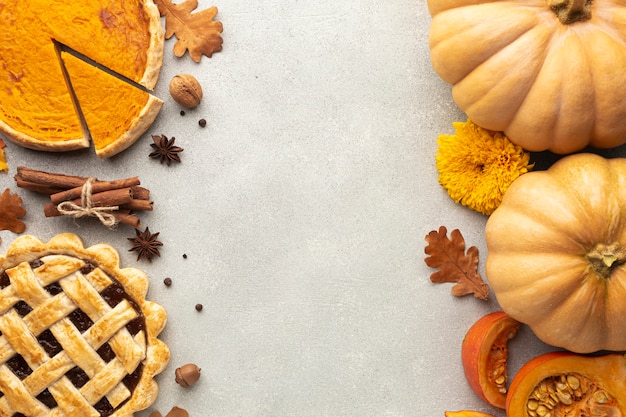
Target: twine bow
(87, 208)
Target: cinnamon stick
(140, 193)
(137, 205)
(109, 198)
(124, 217)
(96, 187)
(36, 187)
(46, 178)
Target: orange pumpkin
(484, 354)
(549, 73)
(566, 384)
(556, 256)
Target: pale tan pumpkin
(549, 73)
(557, 253)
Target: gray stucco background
(302, 209)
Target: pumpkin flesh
(556, 253)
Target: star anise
(164, 149)
(145, 244)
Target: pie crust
(36, 106)
(78, 338)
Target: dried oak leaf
(11, 211)
(196, 32)
(454, 263)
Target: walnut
(186, 90)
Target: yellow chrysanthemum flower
(476, 165)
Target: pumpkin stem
(605, 258)
(571, 11)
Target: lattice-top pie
(78, 337)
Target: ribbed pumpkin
(557, 253)
(549, 73)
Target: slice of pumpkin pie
(130, 110)
(36, 107)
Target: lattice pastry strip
(6, 350)
(8, 298)
(98, 279)
(23, 341)
(57, 295)
(56, 267)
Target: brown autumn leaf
(11, 211)
(196, 32)
(455, 264)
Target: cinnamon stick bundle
(124, 196)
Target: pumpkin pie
(78, 337)
(37, 109)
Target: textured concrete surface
(302, 209)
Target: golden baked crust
(36, 106)
(80, 326)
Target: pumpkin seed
(542, 411)
(600, 397)
(573, 382)
(565, 398)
